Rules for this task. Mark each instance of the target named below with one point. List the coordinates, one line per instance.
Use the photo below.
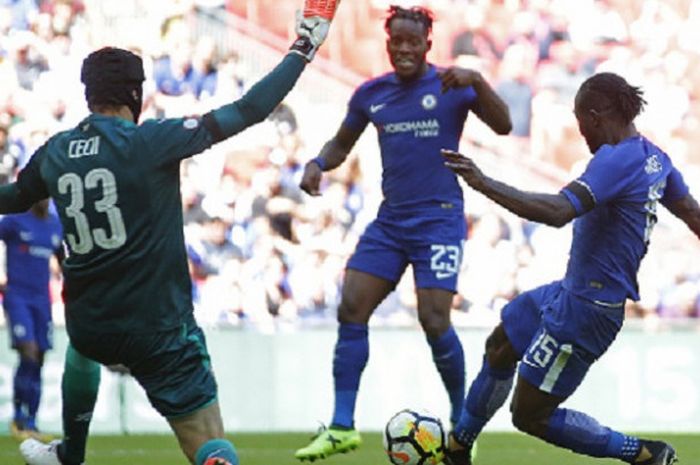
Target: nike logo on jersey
(376, 108)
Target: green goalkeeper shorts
(173, 366)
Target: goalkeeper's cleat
(330, 441)
(661, 453)
(323, 8)
(36, 452)
(457, 453)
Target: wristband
(320, 161)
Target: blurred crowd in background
(266, 256)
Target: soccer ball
(414, 437)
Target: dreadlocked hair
(612, 91)
(418, 14)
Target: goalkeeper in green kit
(127, 291)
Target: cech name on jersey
(420, 128)
(84, 147)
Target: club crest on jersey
(653, 165)
(429, 101)
(190, 123)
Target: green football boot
(329, 441)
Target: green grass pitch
(278, 449)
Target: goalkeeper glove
(311, 32)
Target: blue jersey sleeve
(356, 118)
(603, 179)
(676, 188)
(173, 139)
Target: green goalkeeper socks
(81, 381)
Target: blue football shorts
(29, 320)
(558, 336)
(173, 366)
(432, 244)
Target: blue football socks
(216, 449)
(351, 355)
(27, 392)
(448, 356)
(487, 393)
(583, 434)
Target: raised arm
(332, 155)
(688, 211)
(551, 209)
(267, 93)
(490, 108)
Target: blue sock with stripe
(215, 449)
(487, 393)
(583, 434)
(351, 355)
(448, 356)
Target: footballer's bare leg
(362, 293)
(201, 436)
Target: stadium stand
(273, 237)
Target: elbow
(557, 223)
(504, 129)
(503, 126)
(557, 220)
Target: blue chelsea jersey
(626, 182)
(30, 241)
(414, 120)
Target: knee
(349, 311)
(500, 353)
(533, 423)
(31, 353)
(434, 323)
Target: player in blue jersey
(557, 331)
(127, 289)
(31, 239)
(417, 109)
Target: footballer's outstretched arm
(258, 102)
(11, 200)
(267, 93)
(551, 209)
(332, 155)
(688, 210)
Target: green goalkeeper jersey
(116, 187)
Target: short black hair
(605, 91)
(418, 14)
